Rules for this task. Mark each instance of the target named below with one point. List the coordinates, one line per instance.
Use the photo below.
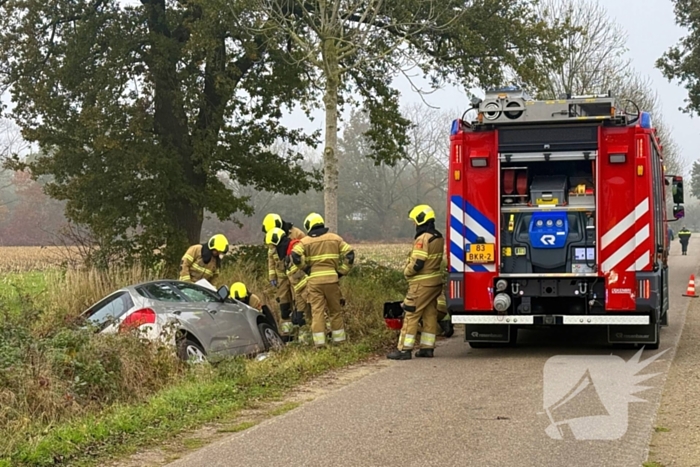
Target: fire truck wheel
(513, 337)
(658, 338)
(480, 345)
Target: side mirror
(678, 211)
(223, 292)
(677, 190)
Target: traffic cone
(691, 287)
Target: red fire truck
(557, 216)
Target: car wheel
(271, 339)
(191, 352)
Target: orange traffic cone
(691, 287)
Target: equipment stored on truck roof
(557, 216)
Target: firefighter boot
(425, 353)
(399, 355)
(447, 327)
(286, 326)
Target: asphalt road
(469, 407)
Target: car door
(193, 316)
(232, 326)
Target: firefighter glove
(285, 310)
(342, 302)
(298, 318)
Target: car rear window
(160, 291)
(111, 309)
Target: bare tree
(594, 63)
(381, 194)
(11, 142)
(10, 139)
(593, 51)
(428, 151)
(639, 91)
(372, 191)
(354, 48)
(345, 41)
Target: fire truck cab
(557, 216)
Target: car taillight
(137, 318)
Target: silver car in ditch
(200, 322)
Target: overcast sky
(651, 30)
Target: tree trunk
(185, 214)
(330, 152)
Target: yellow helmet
(313, 220)
(273, 237)
(238, 291)
(421, 214)
(219, 243)
(270, 222)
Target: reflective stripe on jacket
(275, 265)
(193, 266)
(322, 255)
(425, 260)
(298, 280)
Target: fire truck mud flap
(645, 334)
(495, 333)
(633, 334)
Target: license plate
(481, 253)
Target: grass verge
(208, 394)
(71, 397)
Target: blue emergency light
(455, 127)
(645, 120)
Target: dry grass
(392, 255)
(73, 291)
(51, 372)
(18, 259)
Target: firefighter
(445, 326)
(270, 222)
(240, 292)
(321, 254)
(684, 236)
(443, 317)
(276, 273)
(203, 261)
(425, 284)
(278, 240)
(301, 316)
